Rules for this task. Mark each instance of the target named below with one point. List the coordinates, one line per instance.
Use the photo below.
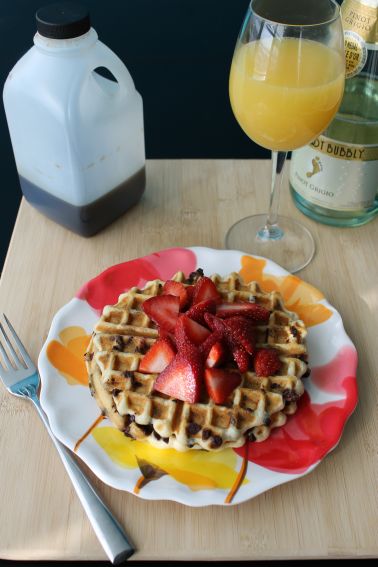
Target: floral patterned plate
(197, 478)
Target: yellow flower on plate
(199, 470)
(299, 296)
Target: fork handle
(108, 530)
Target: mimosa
(285, 91)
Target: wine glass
(286, 84)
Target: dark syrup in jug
(86, 220)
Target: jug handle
(105, 57)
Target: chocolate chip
(194, 276)
(141, 347)
(303, 357)
(192, 429)
(88, 356)
(165, 439)
(129, 418)
(206, 434)
(156, 435)
(267, 420)
(250, 435)
(119, 344)
(126, 432)
(274, 385)
(294, 331)
(137, 384)
(216, 442)
(289, 395)
(307, 373)
(115, 392)
(148, 429)
(128, 374)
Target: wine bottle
(334, 179)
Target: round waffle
(126, 396)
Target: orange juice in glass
(285, 92)
(286, 84)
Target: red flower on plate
(316, 427)
(108, 286)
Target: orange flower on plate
(300, 297)
(67, 356)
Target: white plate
(197, 478)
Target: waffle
(124, 334)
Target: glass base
(288, 243)
(332, 217)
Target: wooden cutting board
(332, 512)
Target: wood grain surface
(332, 512)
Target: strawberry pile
(200, 333)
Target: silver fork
(21, 378)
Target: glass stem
(271, 230)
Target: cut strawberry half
(163, 333)
(182, 379)
(215, 324)
(176, 288)
(163, 309)
(190, 292)
(197, 311)
(217, 355)
(239, 353)
(211, 340)
(205, 289)
(242, 331)
(267, 362)
(158, 357)
(257, 313)
(220, 383)
(188, 330)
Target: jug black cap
(63, 20)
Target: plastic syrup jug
(77, 137)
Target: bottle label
(361, 18)
(336, 175)
(355, 53)
(360, 22)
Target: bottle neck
(63, 46)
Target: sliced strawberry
(211, 340)
(163, 309)
(188, 330)
(215, 323)
(242, 331)
(240, 355)
(163, 334)
(182, 379)
(158, 357)
(257, 313)
(220, 383)
(205, 289)
(267, 362)
(217, 355)
(197, 311)
(190, 293)
(176, 288)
